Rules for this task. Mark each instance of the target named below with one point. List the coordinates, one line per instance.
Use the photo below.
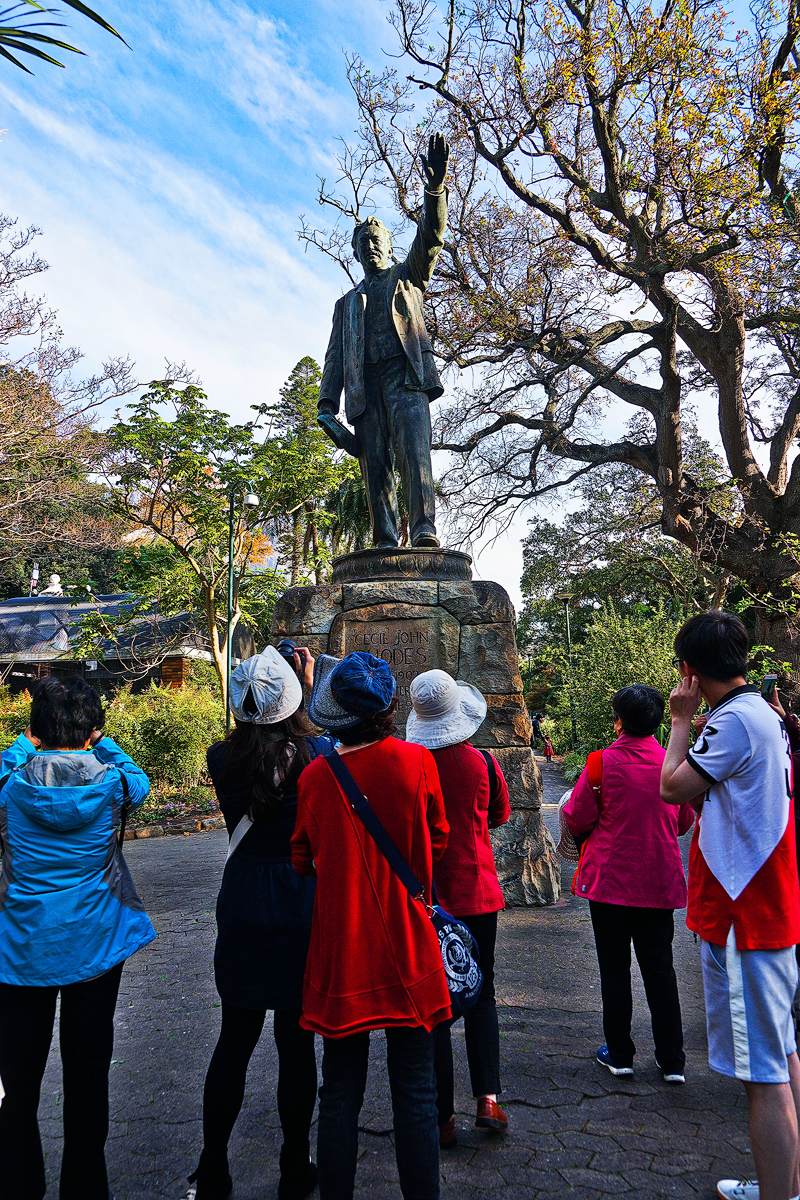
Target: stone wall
(466, 628)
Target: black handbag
(459, 951)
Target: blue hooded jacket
(68, 907)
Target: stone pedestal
(419, 609)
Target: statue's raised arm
(432, 224)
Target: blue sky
(168, 180)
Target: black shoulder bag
(459, 952)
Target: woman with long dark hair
(264, 914)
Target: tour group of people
(329, 814)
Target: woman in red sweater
(374, 960)
(446, 714)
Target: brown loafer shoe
(491, 1116)
(447, 1134)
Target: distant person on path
(536, 730)
(374, 961)
(264, 915)
(548, 749)
(446, 714)
(744, 901)
(632, 875)
(69, 918)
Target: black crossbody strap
(126, 806)
(362, 808)
(492, 769)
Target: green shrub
(618, 651)
(167, 731)
(573, 764)
(15, 715)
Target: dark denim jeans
(409, 1057)
(86, 1038)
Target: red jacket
(632, 856)
(465, 875)
(374, 959)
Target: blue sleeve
(17, 754)
(108, 751)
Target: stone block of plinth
(420, 609)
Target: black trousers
(651, 930)
(227, 1074)
(481, 1029)
(409, 1062)
(86, 1040)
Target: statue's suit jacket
(344, 359)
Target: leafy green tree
(24, 36)
(611, 546)
(618, 650)
(170, 469)
(319, 472)
(350, 527)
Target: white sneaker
(738, 1189)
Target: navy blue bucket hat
(349, 690)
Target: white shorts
(749, 995)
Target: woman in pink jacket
(632, 875)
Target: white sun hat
(446, 710)
(273, 684)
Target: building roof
(41, 628)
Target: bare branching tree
(624, 237)
(48, 442)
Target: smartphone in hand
(768, 686)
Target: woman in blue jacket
(69, 917)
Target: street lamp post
(566, 597)
(250, 501)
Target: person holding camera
(69, 918)
(264, 915)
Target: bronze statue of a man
(381, 354)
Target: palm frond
(20, 36)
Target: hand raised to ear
(684, 700)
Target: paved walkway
(575, 1131)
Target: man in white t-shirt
(744, 901)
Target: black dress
(264, 908)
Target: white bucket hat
(274, 686)
(446, 710)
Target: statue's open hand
(435, 163)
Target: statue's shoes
(385, 546)
(427, 541)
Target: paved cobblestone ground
(575, 1131)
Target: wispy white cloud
(152, 259)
